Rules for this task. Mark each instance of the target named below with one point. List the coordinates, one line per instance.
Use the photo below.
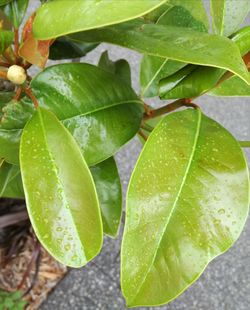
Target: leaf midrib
(56, 173)
(196, 138)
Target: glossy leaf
(187, 202)
(6, 38)
(65, 48)
(59, 190)
(174, 43)
(227, 15)
(101, 111)
(10, 181)
(234, 87)
(15, 11)
(120, 67)
(194, 7)
(201, 79)
(62, 17)
(153, 69)
(108, 187)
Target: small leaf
(10, 181)
(6, 38)
(32, 50)
(187, 203)
(59, 190)
(108, 186)
(120, 67)
(15, 11)
(227, 15)
(58, 18)
(172, 42)
(65, 48)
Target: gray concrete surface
(225, 284)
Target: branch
(170, 108)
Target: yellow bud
(16, 74)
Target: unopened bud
(16, 74)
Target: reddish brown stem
(3, 75)
(4, 64)
(170, 108)
(142, 134)
(18, 94)
(29, 93)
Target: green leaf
(108, 186)
(174, 43)
(15, 11)
(202, 78)
(153, 69)
(227, 15)
(10, 181)
(65, 48)
(233, 87)
(187, 203)
(194, 7)
(102, 112)
(5, 97)
(9, 145)
(6, 38)
(62, 17)
(3, 2)
(120, 67)
(59, 190)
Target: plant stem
(244, 143)
(18, 94)
(3, 75)
(170, 108)
(29, 93)
(142, 134)
(147, 127)
(4, 64)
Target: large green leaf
(120, 67)
(227, 15)
(187, 202)
(233, 87)
(65, 48)
(153, 69)
(59, 190)
(10, 181)
(172, 42)
(62, 17)
(108, 186)
(201, 79)
(15, 11)
(6, 38)
(101, 111)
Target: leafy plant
(188, 197)
(11, 300)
